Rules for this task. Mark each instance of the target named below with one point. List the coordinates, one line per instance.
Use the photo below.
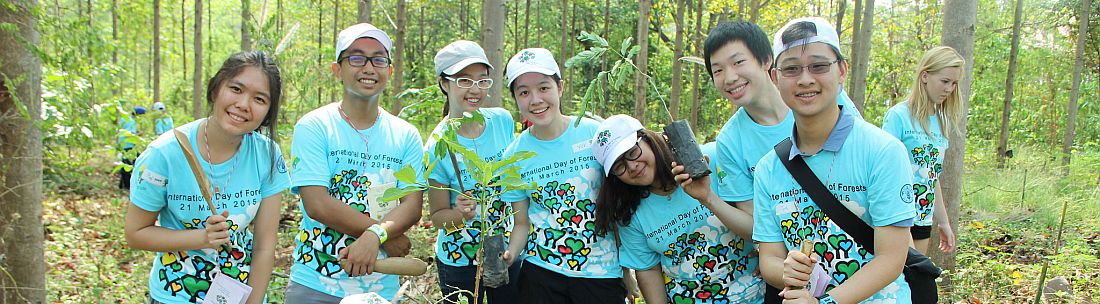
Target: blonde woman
(922, 122)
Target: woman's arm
(443, 216)
(947, 234)
(143, 233)
(652, 283)
(265, 227)
(517, 241)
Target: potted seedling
(492, 178)
(679, 133)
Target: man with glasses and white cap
(344, 156)
(464, 78)
(863, 167)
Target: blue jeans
(456, 281)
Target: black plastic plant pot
(494, 271)
(685, 149)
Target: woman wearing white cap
(463, 71)
(566, 261)
(684, 241)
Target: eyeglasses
(619, 168)
(467, 83)
(361, 61)
(814, 68)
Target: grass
(1003, 239)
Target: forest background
(1024, 200)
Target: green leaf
(591, 38)
(392, 194)
(511, 160)
(589, 56)
(625, 48)
(406, 175)
(693, 59)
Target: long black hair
(234, 66)
(617, 201)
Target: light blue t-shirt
(328, 152)
(926, 155)
(459, 247)
(702, 260)
(563, 206)
(163, 183)
(864, 168)
(127, 123)
(741, 142)
(164, 124)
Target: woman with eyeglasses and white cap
(566, 260)
(685, 243)
(464, 78)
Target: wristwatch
(380, 232)
(826, 299)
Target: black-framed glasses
(361, 61)
(619, 168)
(467, 83)
(814, 68)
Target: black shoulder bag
(919, 271)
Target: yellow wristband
(380, 232)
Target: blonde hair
(920, 107)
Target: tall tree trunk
(562, 52)
(364, 10)
(209, 39)
(156, 50)
(1006, 113)
(602, 107)
(197, 90)
(840, 18)
(21, 237)
(527, 24)
(1071, 108)
(642, 60)
(246, 35)
(399, 58)
(492, 39)
(677, 65)
(959, 23)
(861, 53)
(320, 56)
(114, 32)
(696, 82)
(857, 20)
(183, 49)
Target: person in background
(930, 112)
(127, 135)
(247, 175)
(344, 156)
(685, 243)
(464, 78)
(163, 122)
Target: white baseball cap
(362, 30)
(616, 134)
(825, 34)
(538, 60)
(458, 55)
(158, 106)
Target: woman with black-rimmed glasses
(464, 78)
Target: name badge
(226, 290)
(581, 146)
(378, 208)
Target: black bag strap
(852, 224)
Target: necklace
(352, 125)
(210, 160)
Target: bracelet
(826, 299)
(380, 232)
